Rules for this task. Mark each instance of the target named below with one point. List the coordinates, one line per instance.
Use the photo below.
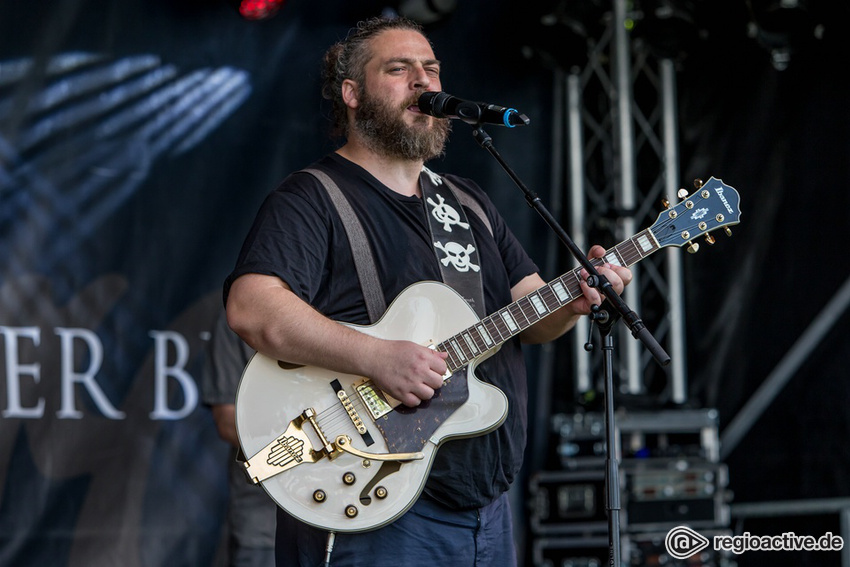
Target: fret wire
(479, 340)
(539, 305)
(446, 347)
(470, 334)
(562, 291)
(549, 299)
(453, 362)
(460, 344)
(517, 306)
(635, 253)
(453, 349)
(649, 236)
(500, 326)
(646, 243)
(529, 310)
(493, 329)
(565, 282)
(575, 283)
(619, 255)
(510, 321)
(488, 341)
(629, 252)
(470, 342)
(636, 242)
(469, 345)
(459, 347)
(504, 326)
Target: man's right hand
(408, 372)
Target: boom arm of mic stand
(635, 325)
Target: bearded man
(296, 280)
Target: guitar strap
(361, 251)
(454, 243)
(445, 206)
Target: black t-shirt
(298, 237)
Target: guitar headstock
(713, 205)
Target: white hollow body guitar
(337, 453)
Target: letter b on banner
(162, 371)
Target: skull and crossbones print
(445, 214)
(458, 256)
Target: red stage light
(259, 9)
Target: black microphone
(442, 105)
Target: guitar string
(337, 420)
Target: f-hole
(387, 468)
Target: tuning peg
(665, 203)
(728, 231)
(693, 247)
(698, 183)
(682, 193)
(709, 239)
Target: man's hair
(347, 60)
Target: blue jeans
(428, 535)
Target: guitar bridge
(289, 450)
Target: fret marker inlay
(470, 343)
(538, 304)
(612, 259)
(483, 332)
(509, 321)
(561, 292)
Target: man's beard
(385, 132)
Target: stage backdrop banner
(137, 140)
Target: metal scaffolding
(622, 161)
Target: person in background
(295, 278)
(250, 511)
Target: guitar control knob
(320, 496)
(349, 478)
(381, 492)
(351, 511)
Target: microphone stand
(605, 322)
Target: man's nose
(421, 80)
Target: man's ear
(350, 93)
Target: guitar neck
(498, 327)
